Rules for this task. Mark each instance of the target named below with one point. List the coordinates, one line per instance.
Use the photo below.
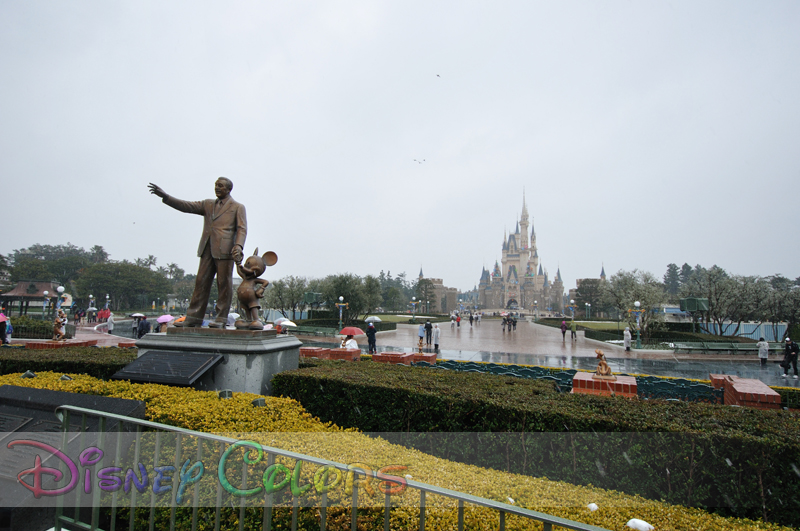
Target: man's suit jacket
(222, 230)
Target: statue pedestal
(591, 384)
(251, 357)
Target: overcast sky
(643, 133)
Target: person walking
(371, 339)
(573, 330)
(470, 319)
(790, 352)
(144, 327)
(110, 322)
(563, 331)
(452, 321)
(504, 325)
(135, 326)
(437, 332)
(3, 329)
(626, 338)
(458, 322)
(421, 334)
(428, 331)
(514, 323)
(763, 351)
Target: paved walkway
(533, 344)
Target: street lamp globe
(60, 289)
(637, 304)
(46, 293)
(572, 301)
(341, 298)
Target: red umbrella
(352, 331)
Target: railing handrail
(460, 496)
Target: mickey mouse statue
(251, 289)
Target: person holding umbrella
(371, 339)
(348, 342)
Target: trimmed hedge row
(93, 361)
(733, 461)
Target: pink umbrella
(165, 319)
(3, 318)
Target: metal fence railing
(265, 499)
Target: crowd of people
(83, 316)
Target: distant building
(444, 299)
(519, 280)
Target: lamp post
(572, 308)
(638, 313)
(341, 304)
(60, 291)
(108, 299)
(536, 309)
(45, 303)
(588, 310)
(414, 303)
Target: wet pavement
(533, 344)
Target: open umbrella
(373, 319)
(279, 320)
(134, 314)
(287, 323)
(3, 318)
(352, 331)
(165, 319)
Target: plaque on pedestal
(250, 358)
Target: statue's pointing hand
(155, 189)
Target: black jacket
(370, 333)
(791, 349)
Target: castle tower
(523, 224)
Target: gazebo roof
(31, 289)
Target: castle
(519, 280)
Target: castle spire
(524, 216)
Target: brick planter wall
(583, 383)
(315, 352)
(404, 358)
(346, 354)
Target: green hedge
(94, 361)
(716, 455)
(26, 327)
(334, 323)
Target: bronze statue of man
(224, 232)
